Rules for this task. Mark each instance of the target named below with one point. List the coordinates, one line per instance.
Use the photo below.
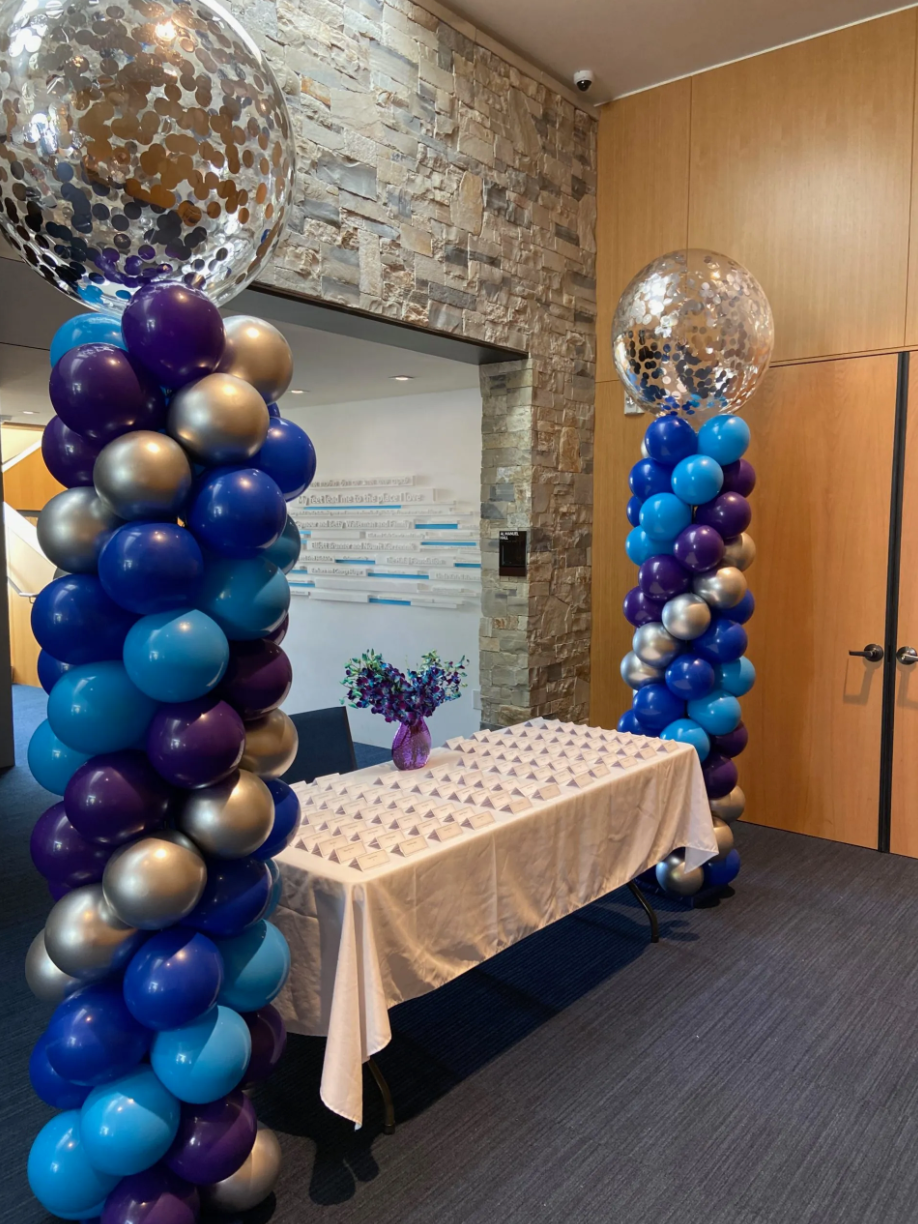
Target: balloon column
(692, 337)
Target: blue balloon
(93, 328)
(289, 458)
(722, 641)
(647, 478)
(60, 1175)
(669, 439)
(724, 438)
(697, 479)
(720, 874)
(633, 511)
(176, 656)
(630, 725)
(656, 706)
(689, 677)
(744, 609)
(53, 1089)
(50, 670)
(737, 676)
(277, 888)
(51, 762)
(248, 599)
(174, 978)
(664, 515)
(639, 546)
(687, 731)
(204, 1060)
(273, 410)
(236, 511)
(719, 713)
(235, 897)
(97, 708)
(151, 567)
(129, 1124)
(93, 1038)
(285, 551)
(76, 622)
(256, 966)
(286, 819)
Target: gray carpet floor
(758, 1065)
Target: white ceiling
(634, 46)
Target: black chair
(325, 745)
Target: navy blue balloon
(670, 439)
(720, 874)
(630, 725)
(656, 707)
(174, 978)
(152, 567)
(237, 511)
(76, 622)
(50, 670)
(288, 456)
(647, 478)
(286, 818)
(689, 677)
(744, 609)
(723, 641)
(634, 511)
(93, 1038)
(235, 897)
(273, 410)
(53, 1089)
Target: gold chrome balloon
(686, 617)
(722, 589)
(270, 745)
(73, 527)
(636, 674)
(740, 551)
(85, 938)
(230, 819)
(219, 419)
(142, 475)
(724, 835)
(730, 807)
(44, 979)
(155, 881)
(257, 352)
(252, 1182)
(655, 645)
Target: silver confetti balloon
(43, 977)
(655, 645)
(730, 807)
(674, 878)
(143, 475)
(724, 835)
(637, 674)
(73, 527)
(686, 617)
(155, 881)
(140, 142)
(230, 819)
(85, 938)
(219, 419)
(693, 333)
(257, 352)
(252, 1182)
(270, 745)
(739, 551)
(722, 589)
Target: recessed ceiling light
(296, 390)
(403, 377)
(28, 412)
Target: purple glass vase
(411, 746)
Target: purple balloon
(213, 1140)
(68, 456)
(175, 331)
(196, 743)
(117, 796)
(155, 1196)
(720, 775)
(101, 392)
(640, 610)
(731, 744)
(662, 577)
(62, 854)
(277, 635)
(739, 477)
(257, 678)
(728, 513)
(269, 1040)
(699, 548)
(58, 890)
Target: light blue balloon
(205, 1059)
(255, 966)
(285, 551)
(129, 1124)
(724, 438)
(176, 656)
(697, 480)
(93, 328)
(51, 762)
(60, 1175)
(97, 708)
(247, 599)
(639, 546)
(736, 677)
(664, 515)
(718, 713)
(687, 731)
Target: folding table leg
(648, 909)
(388, 1106)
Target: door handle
(871, 652)
(907, 655)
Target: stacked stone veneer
(442, 183)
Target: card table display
(395, 883)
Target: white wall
(436, 437)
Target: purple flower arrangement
(373, 684)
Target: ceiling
(631, 47)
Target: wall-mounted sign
(512, 558)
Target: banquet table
(397, 882)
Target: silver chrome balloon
(740, 551)
(724, 835)
(230, 819)
(673, 877)
(44, 979)
(731, 807)
(60, 573)
(645, 453)
(270, 745)
(252, 1182)
(257, 352)
(655, 645)
(155, 881)
(73, 527)
(686, 617)
(637, 674)
(85, 938)
(143, 475)
(219, 419)
(722, 589)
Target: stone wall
(440, 182)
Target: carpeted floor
(759, 1065)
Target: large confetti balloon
(141, 142)
(693, 333)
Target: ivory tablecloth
(552, 816)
